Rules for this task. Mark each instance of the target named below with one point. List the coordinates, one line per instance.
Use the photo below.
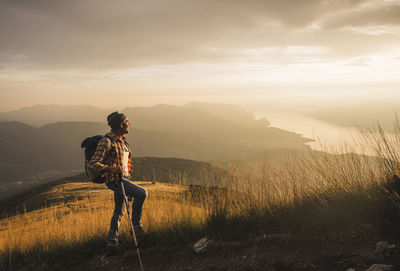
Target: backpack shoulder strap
(110, 144)
(108, 137)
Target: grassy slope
(145, 168)
(320, 212)
(71, 231)
(72, 221)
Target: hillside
(79, 212)
(206, 120)
(320, 212)
(173, 170)
(182, 133)
(196, 122)
(211, 123)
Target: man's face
(125, 126)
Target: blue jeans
(132, 190)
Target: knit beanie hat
(115, 119)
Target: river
(327, 137)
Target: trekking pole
(131, 223)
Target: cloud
(106, 35)
(385, 15)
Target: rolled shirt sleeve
(97, 164)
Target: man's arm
(97, 162)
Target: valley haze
(209, 132)
(50, 137)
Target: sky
(121, 53)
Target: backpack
(90, 145)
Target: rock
(384, 248)
(380, 267)
(350, 269)
(201, 245)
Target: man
(113, 158)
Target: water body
(326, 136)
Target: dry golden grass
(332, 187)
(67, 224)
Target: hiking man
(113, 159)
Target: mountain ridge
(56, 146)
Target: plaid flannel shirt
(106, 156)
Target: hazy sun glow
(168, 53)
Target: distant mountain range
(195, 131)
(363, 115)
(38, 115)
